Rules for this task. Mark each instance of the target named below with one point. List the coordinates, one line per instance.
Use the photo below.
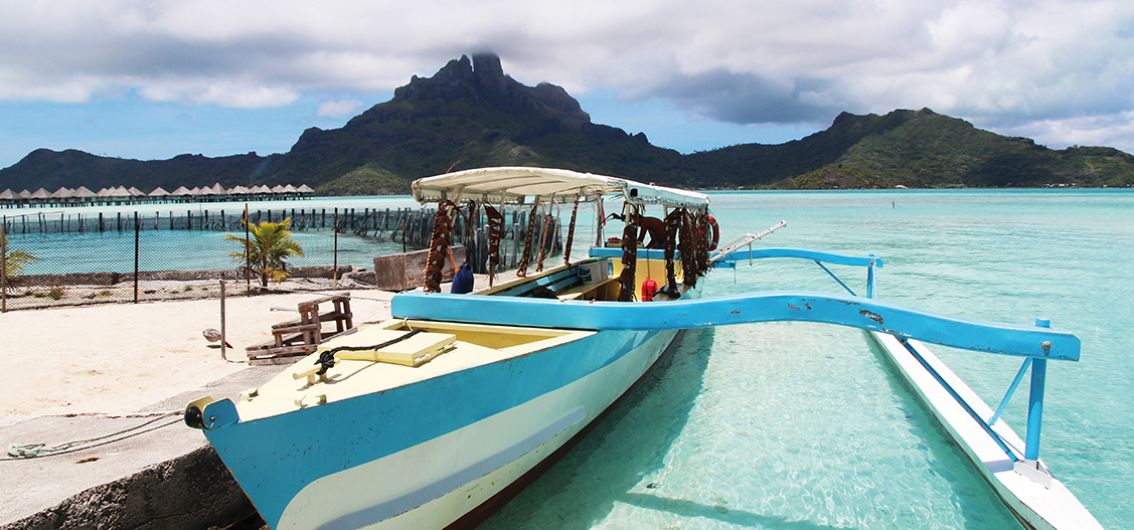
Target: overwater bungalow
(82, 195)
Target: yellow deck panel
(349, 378)
(413, 351)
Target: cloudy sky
(152, 79)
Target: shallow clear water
(796, 425)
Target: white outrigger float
(425, 420)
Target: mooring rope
(39, 450)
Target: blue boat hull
(424, 454)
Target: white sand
(119, 358)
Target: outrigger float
(424, 420)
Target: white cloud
(1004, 63)
(1112, 130)
(338, 107)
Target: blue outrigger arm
(1036, 343)
(775, 306)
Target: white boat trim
(1035, 498)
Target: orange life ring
(716, 232)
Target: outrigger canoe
(425, 420)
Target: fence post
(247, 256)
(137, 233)
(223, 335)
(335, 266)
(4, 266)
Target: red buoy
(649, 289)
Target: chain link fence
(75, 259)
(72, 258)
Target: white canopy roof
(158, 192)
(512, 184)
(7, 194)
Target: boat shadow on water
(613, 463)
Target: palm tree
(14, 260)
(267, 249)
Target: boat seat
(556, 282)
(413, 350)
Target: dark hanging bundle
(688, 252)
(438, 245)
(472, 218)
(672, 225)
(570, 234)
(544, 239)
(626, 280)
(702, 239)
(522, 266)
(495, 234)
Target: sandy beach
(118, 358)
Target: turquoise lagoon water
(799, 426)
(186, 249)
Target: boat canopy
(511, 185)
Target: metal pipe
(870, 278)
(1011, 390)
(223, 334)
(335, 267)
(1035, 402)
(4, 266)
(836, 278)
(137, 237)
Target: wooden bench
(300, 337)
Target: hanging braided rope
(688, 262)
(672, 225)
(544, 240)
(438, 244)
(628, 278)
(495, 234)
(472, 219)
(570, 233)
(702, 242)
(522, 266)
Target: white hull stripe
(435, 490)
